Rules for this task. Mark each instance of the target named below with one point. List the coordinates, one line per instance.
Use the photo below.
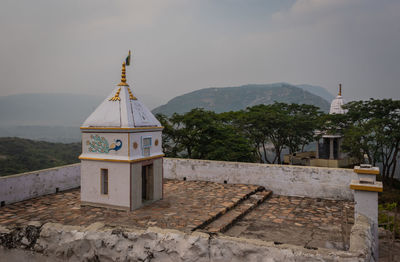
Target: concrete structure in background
(121, 152)
(329, 153)
(328, 149)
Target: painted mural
(99, 144)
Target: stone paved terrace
(308, 222)
(186, 205)
(189, 205)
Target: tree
(279, 125)
(205, 135)
(371, 128)
(301, 123)
(168, 136)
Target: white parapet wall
(28, 185)
(315, 182)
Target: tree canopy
(371, 130)
(204, 135)
(245, 135)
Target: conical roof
(121, 109)
(337, 103)
(336, 106)
(125, 112)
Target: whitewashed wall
(41, 182)
(118, 183)
(316, 182)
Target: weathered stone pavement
(242, 210)
(186, 205)
(221, 224)
(308, 222)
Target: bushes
(387, 219)
(23, 155)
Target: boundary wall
(315, 182)
(99, 242)
(305, 181)
(28, 185)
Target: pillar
(317, 151)
(366, 190)
(330, 148)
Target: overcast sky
(77, 46)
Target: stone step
(225, 221)
(224, 211)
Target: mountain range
(46, 109)
(225, 99)
(57, 117)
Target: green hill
(236, 98)
(22, 155)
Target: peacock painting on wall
(99, 144)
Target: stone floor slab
(221, 224)
(308, 222)
(186, 205)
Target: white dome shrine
(337, 103)
(122, 157)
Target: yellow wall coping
(367, 171)
(356, 185)
(121, 160)
(121, 128)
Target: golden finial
(340, 89)
(123, 82)
(123, 76)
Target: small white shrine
(122, 159)
(337, 103)
(329, 151)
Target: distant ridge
(46, 109)
(48, 117)
(225, 99)
(319, 91)
(56, 117)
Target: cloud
(342, 41)
(179, 46)
(303, 9)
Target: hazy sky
(77, 46)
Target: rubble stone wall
(98, 242)
(305, 181)
(28, 185)
(362, 239)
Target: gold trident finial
(123, 76)
(340, 89)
